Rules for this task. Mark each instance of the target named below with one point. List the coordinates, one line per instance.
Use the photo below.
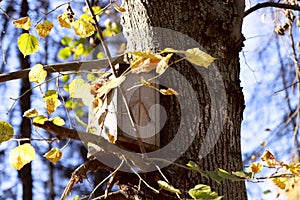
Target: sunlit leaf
(169, 91)
(51, 104)
(294, 168)
(6, 131)
(40, 119)
(118, 8)
(57, 121)
(146, 54)
(23, 23)
(65, 77)
(30, 113)
(198, 57)
(280, 182)
(44, 29)
(96, 9)
(163, 64)
(255, 167)
(37, 74)
(50, 94)
(28, 44)
(75, 86)
(203, 192)
(53, 155)
(79, 89)
(21, 155)
(66, 40)
(64, 53)
(83, 28)
(166, 186)
(110, 84)
(195, 56)
(64, 20)
(268, 159)
(242, 174)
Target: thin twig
(297, 73)
(285, 88)
(104, 180)
(271, 4)
(7, 15)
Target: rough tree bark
(216, 26)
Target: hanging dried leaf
(53, 155)
(21, 155)
(119, 8)
(169, 91)
(110, 84)
(37, 74)
(30, 113)
(23, 23)
(64, 20)
(51, 104)
(255, 167)
(83, 28)
(44, 29)
(269, 159)
(6, 131)
(280, 182)
(163, 64)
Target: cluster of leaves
(83, 27)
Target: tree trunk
(25, 128)
(213, 125)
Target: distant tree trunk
(25, 128)
(216, 26)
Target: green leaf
(50, 94)
(224, 174)
(100, 55)
(28, 44)
(267, 191)
(57, 121)
(196, 167)
(203, 192)
(215, 176)
(6, 131)
(166, 186)
(41, 119)
(242, 174)
(66, 40)
(64, 53)
(91, 77)
(65, 77)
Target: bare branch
(62, 67)
(271, 4)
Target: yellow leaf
(255, 167)
(53, 155)
(169, 91)
(41, 119)
(57, 121)
(198, 57)
(44, 29)
(280, 182)
(268, 158)
(119, 8)
(52, 104)
(166, 186)
(195, 56)
(21, 155)
(23, 23)
(28, 44)
(110, 84)
(37, 74)
(64, 20)
(30, 113)
(294, 168)
(6, 131)
(163, 64)
(146, 54)
(83, 28)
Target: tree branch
(271, 4)
(100, 143)
(62, 67)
